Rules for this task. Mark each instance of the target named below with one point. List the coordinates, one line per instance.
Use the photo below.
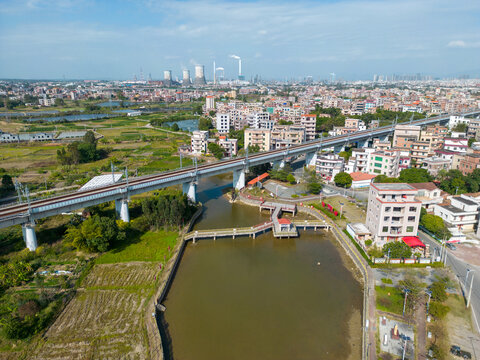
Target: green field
(389, 299)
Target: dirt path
(372, 328)
(421, 319)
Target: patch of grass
(151, 246)
(387, 281)
(389, 299)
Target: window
(388, 208)
(413, 209)
(409, 229)
(385, 229)
(386, 218)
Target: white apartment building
(458, 145)
(393, 212)
(209, 103)
(384, 163)
(260, 137)
(260, 120)
(462, 212)
(329, 165)
(358, 162)
(456, 119)
(223, 123)
(199, 141)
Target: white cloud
(463, 44)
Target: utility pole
(404, 349)
(470, 291)
(113, 175)
(181, 160)
(405, 301)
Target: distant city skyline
(91, 39)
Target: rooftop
(393, 186)
(359, 176)
(465, 201)
(424, 186)
(453, 209)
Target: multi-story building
(462, 212)
(329, 165)
(260, 120)
(474, 129)
(260, 137)
(469, 162)
(287, 135)
(428, 194)
(393, 212)
(384, 163)
(230, 145)
(379, 145)
(420, 151)
(407, 132)
(358, 162)
(434, 164)
(209, 103)
(459, 145)
(456, 120)
(223, 123)
(309, 121)
(199, 141)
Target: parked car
(451, 246)
(455, 350)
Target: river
(262, 298)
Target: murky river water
(262, 298)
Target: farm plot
(106, 319)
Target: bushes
(14, 273)
(438, 310)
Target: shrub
(438, 310)
(368, 242)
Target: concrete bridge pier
(383, 137)
(29, 236)
(121, 208)
(190, 189)
(311, 159)
(362, 144)
(338, 148)
(239, 179)
(278, 163)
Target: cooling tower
(167, 77)
(199, 75)
(186, 77)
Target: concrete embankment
(153, 316)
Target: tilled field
(105, 320)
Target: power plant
(199, 75)
(167, 77)
(186, 77)
(236, 57)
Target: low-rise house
(434, 164)
(384, 163)
(287, 135)
(428, 194)
(230, 145)
(361, 180)
(258, 137)
(459, 145)
(462, 212)
(358, 162)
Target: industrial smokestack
(167, 77)
(236, 57)
(200, 75)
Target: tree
(7, 184)
(291, 179)
(438, 289)
(216, 150)
(95, 234)
(212, 112)
(398, 249)
(204, 124)
(59, 102)
(175, 127)
(343, 179)
(345, 154)
(314, 187)
(471, 141)
(281, 173)
(415, 175)
(197, 109)
(89, 138)
(167, 210)
(438, 310)
(385, 179)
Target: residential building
(358, 162)
(223, 123)
(309, 121)
(469, 162)
(406, 132)
(384, 163)
(379, 145)
(260, 120)
(474, 129)
(393, 212)
(361, 180)
(420, 151)
(329, 165)
(462, 212)
(456, 120)
(458, 145)
(209, 103)
(230, 145)
(260, 137)
(199, 142)
(434, 164)
(287, 135)
(428, 194)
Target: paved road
(460, 270)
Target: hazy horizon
(110, 40)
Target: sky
(276, 39)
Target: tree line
(79, 152)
